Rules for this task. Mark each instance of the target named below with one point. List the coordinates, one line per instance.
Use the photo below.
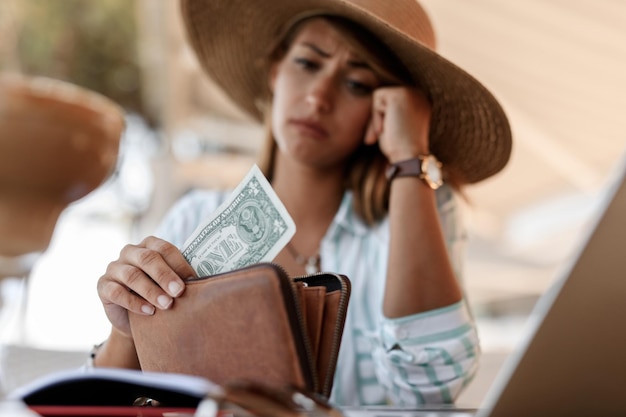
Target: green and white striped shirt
(423, 358)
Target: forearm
(118, 351)
(420, 276)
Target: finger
(172, 255)
(116, 299)
(160, 261)
(374, 129)
(139, 285)
(379, 100)
(148, 265)
(371, 137)
(379, 109)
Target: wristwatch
(426, 167)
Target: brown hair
(365, 170)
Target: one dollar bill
(252, 226)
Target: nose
(320, 94)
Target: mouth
(310, 127)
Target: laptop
(572, 361)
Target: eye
(359, 88)
(306, 63)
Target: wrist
(406, 148)
(91, 360)
(118, 351)
(405, 155)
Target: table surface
(426, 411)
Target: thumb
(371, 136)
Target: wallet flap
(337, 295)
(241, 325)
(312, 300)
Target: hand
(400, 122)
(145, 276)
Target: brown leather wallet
(253, 324)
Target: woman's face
(322, 94)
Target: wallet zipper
(337, 334)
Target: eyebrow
(352, 63)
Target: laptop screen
(573, 361)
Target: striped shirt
(423, 358)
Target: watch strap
(425, 167)
(407, 168)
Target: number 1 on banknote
(252, 226)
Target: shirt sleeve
(187, 214)
(427, 357)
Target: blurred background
(557, 66)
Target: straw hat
(469, 131)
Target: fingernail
(164, 301)
(147, 309)
(175, 288)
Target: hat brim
(469, 130)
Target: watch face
(431, 168)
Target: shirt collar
(346, 219)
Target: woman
(354, 100)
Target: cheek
(355, 121)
